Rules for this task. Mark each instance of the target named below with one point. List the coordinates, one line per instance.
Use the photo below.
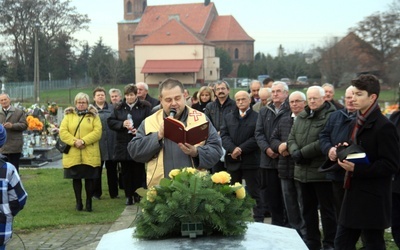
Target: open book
(358, 158)
(176, 131)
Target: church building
(179, 41)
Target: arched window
(129, 7)
(236, 53)
(144, 5)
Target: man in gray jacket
(316, 190)
(14, 121)
(161, 154)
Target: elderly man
(267, 121)
(329, 94)
(255, 87)
(143, 94)
(14, 121)
(265, 99)
(316, 190)
(337, 130)
(242, 158)
(290, 188)
(161, 154)
(115, 96)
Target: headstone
(258, 236)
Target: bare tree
(382, 31)
(20, 18)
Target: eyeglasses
(296, 101)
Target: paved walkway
(83, 237)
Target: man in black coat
(337, 130)
(395, 118)
(242, 158)
(367, 201)
(268, 119)
(218, 109)
(143, 94)
(290, 188)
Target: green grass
(51, 203)
(64, 98)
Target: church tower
(133, 11)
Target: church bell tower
(133, 9)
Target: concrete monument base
(257, 236)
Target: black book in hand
(358, 158)
(353, 153)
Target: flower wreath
(196, 196)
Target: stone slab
(258, 236)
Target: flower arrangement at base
(34, 123)
(194, 196)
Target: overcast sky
(297, 25)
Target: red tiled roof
(172, 66)
(173, 32)
(226, 28)
(193, 15)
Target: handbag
(62, 146)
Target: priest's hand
(188, 149)
(161, 131)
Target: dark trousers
(292, 199)
(133, 177)
(318, 194)
(252, 187)
(338, 195)
(396, 218)
(220, 166)
(14, 159)
(97, 187)
(112, 178)
(346, 238)
(272, 192)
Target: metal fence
(26, 90)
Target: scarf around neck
(361, 118)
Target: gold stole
(155, 167)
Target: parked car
(302, 80)
(287, 80)
(245, 82)
(261, 78)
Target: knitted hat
(3, 135)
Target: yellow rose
(222, 177)
(173, 173)
(190, 170)
(202, 173)
(241, 192)
(151, 194)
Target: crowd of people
(284, 146)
